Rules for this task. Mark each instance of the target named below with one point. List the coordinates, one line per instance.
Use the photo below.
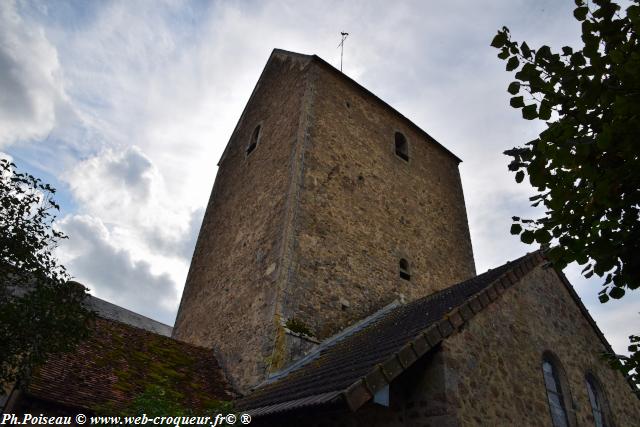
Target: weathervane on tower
(341, 46)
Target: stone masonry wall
(362, 208)
(495, 364)
(417, 399)
(229, 299)
(489, 373)
(313, 223)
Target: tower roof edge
(321, 62)
(358, 86)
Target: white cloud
(114, 179)
(154, 90)
(127, 193)
(111, 272)
(31, 88)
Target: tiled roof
(118, 362)
(356, 367)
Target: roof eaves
(315, 400)
(362, 390)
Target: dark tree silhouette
(586, 164)
(41, 311)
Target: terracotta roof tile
(118, 362)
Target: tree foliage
(585, 164)
(41, 312)
(628, 365)
(161, 398)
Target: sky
(126, 106)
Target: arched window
(597, 401)
(555, 394)
(253, 142)
(402, 146)
(404, 269)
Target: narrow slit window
(402, 146)
(404, 269)
(253, 143)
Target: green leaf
(616, 56)
(516, 229)
(545, 110)
(527, 237)
(542, 236)
(577, 60)
(517, 102)
(603, 140)
(616, 292)
(529, 112)
(514, 87)
(583, 163)
(603, 298)
(499, 40)
(566, 51)
(529, 72)
(504, 53)
(581, 13)
(512, 63)
(543, 53)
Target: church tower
(328, 205)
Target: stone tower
(328, 205)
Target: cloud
(111, 273)
(31, 85)
(152, 92)
(113, 182)
(126, 190)
(127, 193)
(184, 243)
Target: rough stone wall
(489, 373)
(495, 364)
(362, 208)
(417, 399)
(313, 223)
(229, 299)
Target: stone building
(333, 278)
(322, 192)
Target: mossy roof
(118, 362)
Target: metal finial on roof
(341, 46)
